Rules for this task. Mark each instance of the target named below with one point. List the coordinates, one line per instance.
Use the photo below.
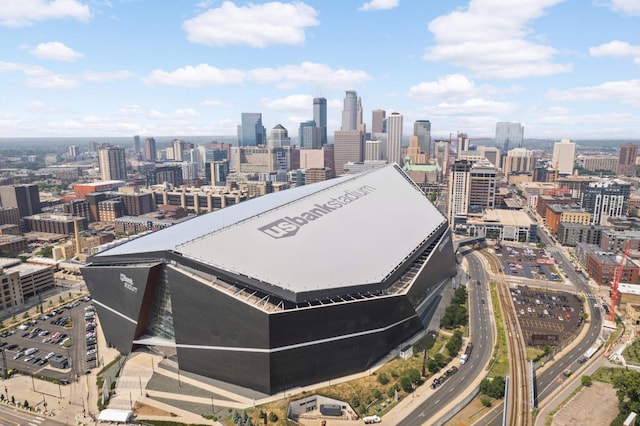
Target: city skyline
(111, 68)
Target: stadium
(284, 290)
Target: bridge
(469, 242)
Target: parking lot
(526, 262)
(546, 317)
(59, 344)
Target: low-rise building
(602, 265)
(570, 234)
(507, 225)
(569, 213)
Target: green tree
(454, 316)
(459, 296)
(45, 252)
(273, 417)
(405, 384)
(455, 343)
(627, 387)
(493, 387)
(586, 380)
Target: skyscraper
(627, 159)
(604, 199)
(359, 121)
(279, 137)
(26, 198)
(320, 117)
(377, 121)
(350, 111)
(309, 135)
(136, 144)
(564, 153)
(253, 132)
(509, 135)
(113, 163)
(458, 192)
(394, 140)
(422, 129)
(348, 145)
(149, 149)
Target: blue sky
(564, 69)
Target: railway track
(518, 410)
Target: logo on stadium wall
(289, 226)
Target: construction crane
(616, 281)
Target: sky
(565, 69)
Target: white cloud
(472, 107)
(196, 76)
(286, 76)
(626, 7)
(256, 25)
(290, 103)
(139, 111)
(186, 113)
(308, 72)
(40, 107)
(449, 86)
(55, 51)
(618, 49)
(99, 76)
(379, 5)
(625, 91)
(19, 13)
(489, 38)
(53, 81)
(215, 103)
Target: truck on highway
(467, 353)
(590, 352)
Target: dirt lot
(580, 410)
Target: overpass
(469, 242)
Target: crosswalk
(36, 421)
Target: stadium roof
(341, 233)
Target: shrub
(273, 417)
(383, 379)
(586, 380)
(485, 400)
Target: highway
(552, 377)
(481, 333)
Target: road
(552, 377)
(10, 416)
(481, 333)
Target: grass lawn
(500, 364)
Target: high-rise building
(627, 160)
(150, 149)
(178, 148)
(604, 199)
(166, 174)
(394, 140)
(348, 145)
(564, 153)
(491, 153)
(377, 121)
(414, 152)
(482, 187)
(136, 144)
(112, 162)
(422, 129)
(458, 192)
(359, 121)
(518, 160)
(253, 132)
(372, 151)
(320, 117)
(279, 137)
(350, 111)
(509, 135)
(462, 144)
(309, 135)
(26, 198)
